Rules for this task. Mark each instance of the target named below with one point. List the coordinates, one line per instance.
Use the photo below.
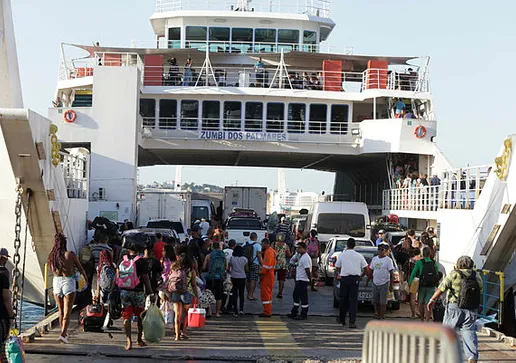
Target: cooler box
(196, 317)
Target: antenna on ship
(243, 5)
(281, 72)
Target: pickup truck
(240, 228)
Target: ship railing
(319, 8)
(294, 78)
(75, 175)
(410, 342)
(241, 47)
(81, 68)
(493, 296)
(456, 189)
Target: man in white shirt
(383, 277)
(303, 277)
(349, 269)
(205, 226)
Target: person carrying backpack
(132, 277)
(252, 251)
(181, 285)
(216, 266)
(428, 272)
(464, 287)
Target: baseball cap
(383, 245)
(381, 231)
(4, 252)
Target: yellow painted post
(46, 276)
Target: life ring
(70, 116)
(420, 132)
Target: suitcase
(196, 317)
(92, 317)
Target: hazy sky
(471, 45)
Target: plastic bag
(14, 348)
(168, 313)
(153, 324)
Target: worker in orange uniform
(267, 277)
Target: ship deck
(245, 339)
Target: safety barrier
(410, 342)
(491, 307)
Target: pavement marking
(276, 337)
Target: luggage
(196, 317)
(92, 317)
(177, 281)
(429, 276)
(469, 294)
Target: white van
(332, 219)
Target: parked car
(365, 294)
(178, 226)
(240, 225)
(332, 249)
(151, 232)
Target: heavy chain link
(16, 255)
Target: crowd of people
(220, 276)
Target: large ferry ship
(244, 83)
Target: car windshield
(244, 223)
(176, 226)
(341, 223)
(200, 212)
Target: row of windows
(243, 37)
(247, 116)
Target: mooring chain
(16, 255)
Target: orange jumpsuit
(267, 281)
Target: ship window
(219, 39)
(189, 114)
(148, 111)
(196, 37)
(210, 115)
(232, 115)
(275, 116)
(253, 116)
(318, 118)
(264, 40)
(339, 119)
(167, 114)
(309, 41)
(174, 37)
(241, 40)
(288, 39)
(296, 118)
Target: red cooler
(196, 317)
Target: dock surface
(244, 339)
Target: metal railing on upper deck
(295, 78)
(319, 8)
(241, 47)
(410, 342)
(458, 189)
(75, 175)
(81, 68)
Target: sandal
(142, 344)
(184, 336)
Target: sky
(471, 45)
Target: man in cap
(379, 240)
(6, 308)
(303, 278)
(382, 269)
